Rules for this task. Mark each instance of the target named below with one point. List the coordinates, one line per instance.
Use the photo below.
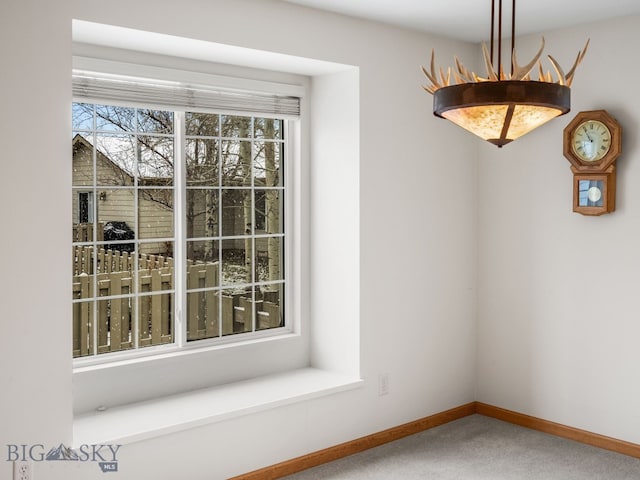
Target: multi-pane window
(178, 226)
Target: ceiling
(443, 16)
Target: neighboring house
(117, 204)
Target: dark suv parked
(115, 231)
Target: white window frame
(180, 238)
(96, 366)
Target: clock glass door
(590, 193)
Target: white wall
(558, 292)
(35, 402)
(417, 235)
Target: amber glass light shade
(501, 111)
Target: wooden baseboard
(359, 445)
(582, 436)
(330, 454)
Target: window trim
(331, 118)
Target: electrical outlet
(22, 471)
(383, 384)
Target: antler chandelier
(501, 106)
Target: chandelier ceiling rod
(499, 37)
(493, 21)
(513, 32)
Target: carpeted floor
(479, 448)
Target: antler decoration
(461, 75)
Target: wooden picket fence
(116, 317)
(113, 260)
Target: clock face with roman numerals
(591, 141)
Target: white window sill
(144, 420)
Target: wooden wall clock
(592, 143)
